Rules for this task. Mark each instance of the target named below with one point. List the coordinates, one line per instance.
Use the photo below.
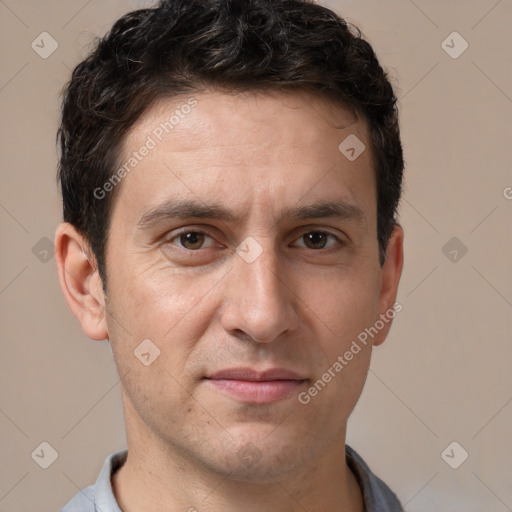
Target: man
(230, 174)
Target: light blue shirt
(99, 497)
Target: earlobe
(80, 281)
(390, 278)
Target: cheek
(340, 306)
(170, 308)
(153, 334)
(344, 305)
(155, 298)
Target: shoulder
(99, 497)
(82, 501)
(378, 497)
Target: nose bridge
(259, 268)
(259, 302)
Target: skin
(298, 305)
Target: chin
(255, 456)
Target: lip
(249, 374)
(254, 386)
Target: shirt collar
(104, 499)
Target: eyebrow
(187, 209)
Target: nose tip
(259, 303)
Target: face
(243, 245)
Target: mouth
(257, 387)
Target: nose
(259, 302)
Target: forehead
(245, 148)
(251, 117)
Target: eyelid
(171, 239)
(304, 230)
(324, 231)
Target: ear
(80, 281)
(390, 277)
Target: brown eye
(318, 240)
(191, 240)
(315, 239)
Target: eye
(319, 240)
(191, 240)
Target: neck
(159, 476)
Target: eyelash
(198, 231)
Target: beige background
(443, 375)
